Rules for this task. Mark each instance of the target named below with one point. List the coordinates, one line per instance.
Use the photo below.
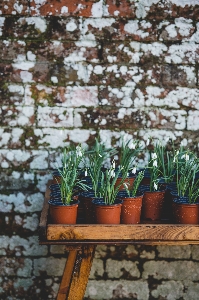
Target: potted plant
(94, 163)
(128, 153)
(185, 199)
(63, 208)
(132, 201)
(153, 194)
(108, 206)
(165, 160)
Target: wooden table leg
(76, 273)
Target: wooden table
(81, 240)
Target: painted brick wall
(70, 70)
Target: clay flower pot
(152, 205)
(107, 214)
(63, 214)
(131, 208)
(184, 212)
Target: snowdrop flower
(86, 173)
(186, 157)
(134, 170)
(112, 173)
(79, 151)
(155, 164)
(155, 186)
(154, 155)
(132, 146)
(147, 142)
(113, 164)
(100, 155)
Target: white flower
(186, 157)
(112, 173)
(100, 155)
(154, 155)
(134, 170)
(155, 186)
(113, 164)
(155, 163)
(174, 160)
(132, 146)
(86, 173)
(147, 142)
(79, 151)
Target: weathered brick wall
(70, 70)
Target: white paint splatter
(71, 26)
(97, 9)
(64, 10)
(38, 22)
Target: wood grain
(168, 232)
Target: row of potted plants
(96, 192)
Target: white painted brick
(82, 96)
(55, 117)
(193, 120)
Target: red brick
(189, 12)
(57, 51)
(161, 11)
(120, 8)
(24, 27)
(62, 7)
(11, 49)
(180, 34)
(112, 118)
(13, 7)
(17, 116)
(139, 33)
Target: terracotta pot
(129, 181)
(63, 214)
(185, 213)
(131, 209)
(152, 205)
(107, 214)
(89, 213)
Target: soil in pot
(63, 214)
(131, 208)
(107, 214)
(184, 212)
(152, 205)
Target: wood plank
(80, 261)
(140, 232)
(66, 278)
